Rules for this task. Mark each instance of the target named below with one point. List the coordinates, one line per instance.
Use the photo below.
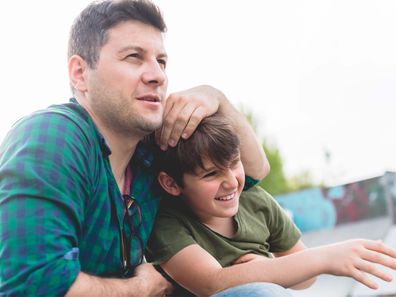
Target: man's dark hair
(213, 139)
(90, 29)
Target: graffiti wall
(320, 208)
(390, 181)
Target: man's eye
(162, 62)
(134, 55)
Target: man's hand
(152, 282)
(184, 111)
(146, 282)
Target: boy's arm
(300, 246)
(200, 273)
(184, 111)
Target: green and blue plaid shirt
(60, 207)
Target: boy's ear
(168, 184)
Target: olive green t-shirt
(262, 228)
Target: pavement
(334, 286)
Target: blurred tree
(303, 180)
(277, 182)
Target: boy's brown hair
(214, 138)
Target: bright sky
(318, 75)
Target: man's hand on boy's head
(184, 111)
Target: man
(77, 198)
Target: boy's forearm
(253, 157)
(290, 271)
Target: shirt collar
(143, 153)
(104, 147)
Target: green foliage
(277, 182)
(301, 181)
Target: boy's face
(214, 192)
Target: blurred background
(317, 79)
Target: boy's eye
(209, 174)
(235, 163)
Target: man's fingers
(168, 125)
(169, 288)
(195, 118)
(182, 121)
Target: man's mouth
(149, 98)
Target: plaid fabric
(60, 207)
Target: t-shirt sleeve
(249, 182)
(41, 207)
(169, 236)
(283, 232)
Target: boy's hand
(358, 257)
(249, 257)
(184, 111)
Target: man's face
(126, 89)
(214, 192)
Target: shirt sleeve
(249, 182)
(42, 185)
(284, 234)
(169, 236)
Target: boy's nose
(230, 179)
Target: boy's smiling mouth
(226, 197)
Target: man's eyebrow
(139, 50)
(131, 47)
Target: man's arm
(184, 111)
(196, 270)
(253, 157)
(42, 191)
(146, 282)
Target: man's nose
(154, 73)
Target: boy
(212, 235)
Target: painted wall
(320, 208)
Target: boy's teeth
(225, 198)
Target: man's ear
(168, 184)
(77, 68)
